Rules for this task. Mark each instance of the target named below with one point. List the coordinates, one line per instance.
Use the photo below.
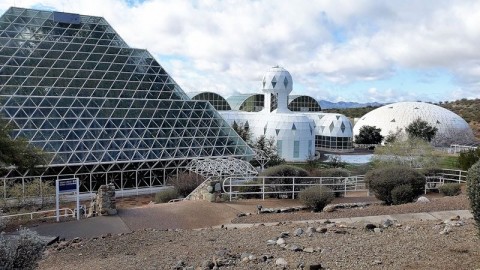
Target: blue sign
(68, 185)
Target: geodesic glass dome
(106, 112)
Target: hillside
(468, 109)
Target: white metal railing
(446, 175)
(67, 212)
(288, 185)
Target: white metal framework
(221, 167)
(106, 112)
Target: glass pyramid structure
(106, 112)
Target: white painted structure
(298, 134)
(389, 118)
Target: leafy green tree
(269, 147)
(369, 135)
(413, 152)
(242, 131)
(18, 152)
(467, 158)
(421, 129)
(394, 136)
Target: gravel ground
(416, 245)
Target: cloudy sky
(355, 50)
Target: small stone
(284, 235)
(423, 199)
(329, 208)
(298, 232)
(280, 241)
(314, 267)
(252, 257)
(241, 214)
(322, 230)
(295, 248)
(387, 223)
(271, 242)
(309, 250)
(446, 230)
(281, 262)
(377, 262)
(377, 230)
(310, 230)
(341, 232)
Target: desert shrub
(22, 252)
(402, 194)
(331, 172)
(250, 186)
(282, 171)
(316, 197)
(185, 182)
(450, 189)
(383, 180)
(473, 191)
(467, 158)
(166, 195)
(35, 192)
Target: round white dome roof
(389, 118)
(277, 80)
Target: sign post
(67, 186)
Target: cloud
(227, 45)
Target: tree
(467, 158)
(268, 146)
(18, 152)
(369, 135)
(413, 153)
(394, 136)
(242, 131)
(421, 129)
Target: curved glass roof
(302, 103)
(247, 102)
(217, 101)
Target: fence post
(230, 185)
(263, 188)
(345, 187)
(293, 189)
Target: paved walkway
(199, 214)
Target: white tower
(277, 82)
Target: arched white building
(390, 118)
(298, 134)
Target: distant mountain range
(324, 104)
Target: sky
(336, 50)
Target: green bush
(383, 180)
(316, 197)
(450, 189)
(473, 191)
(166, 195)
(467, 158)
(331, 172)
(281, 171)
(402, 194)
(185, 182)
(21, 253)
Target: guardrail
(289, 186)
(67, 212)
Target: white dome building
(298, 134)
(452, 129)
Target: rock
(245, 255)
(281, 262)
(271, 242)
(377, 230)
(281, 241)
(207, 264)
(294, 247)
(387, 223)
(455, 218)
(309, 250)
(329, 208)
(370, 227)
(341, 232)
(298, 232)
(322, 230)
(446, 230)
(313, 267)
(377, 262)
(310, 231)
(423, 199)
(241, 214)
(284, 235)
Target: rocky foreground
(449, 244)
